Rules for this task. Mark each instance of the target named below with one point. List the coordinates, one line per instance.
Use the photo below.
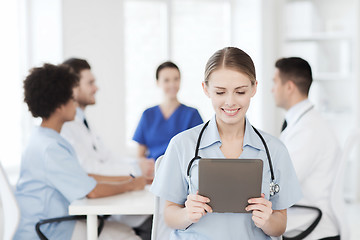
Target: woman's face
(169, 82)
(68, 110)
(230, 92)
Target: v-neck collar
(212, 136)
(172, 114)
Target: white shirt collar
(80, 114)
(293, 114)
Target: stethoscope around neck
(274, 187)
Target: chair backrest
(337, 192)
(160, 231)
(11, 211)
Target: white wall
(272, 115)
(93, 30)
(10, 84)
(357, 72)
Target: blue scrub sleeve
(64, 173)
(170, 182)
(139, 135)
(195, 119)
(290, 189)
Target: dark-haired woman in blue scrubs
(160, 123)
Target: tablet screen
(229, 183)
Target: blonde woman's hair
(231, 58)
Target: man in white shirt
(93, 156)
(312, 145)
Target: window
(145, 47)
(10, 92)
(199, 29)
(33, 36)
(186, 32)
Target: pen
(132, 175)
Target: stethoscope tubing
(274, 188)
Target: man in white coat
(312, 145)
(93, 155)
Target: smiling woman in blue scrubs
(160, 123)
(230, 83)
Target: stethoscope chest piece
(274, 188)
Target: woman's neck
(231, 131)
(170, 103)
(168, 107)
(53, 123)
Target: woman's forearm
(105, 190)
(101, 178)
(175, 216)
(112, 188)
(276, 225)
(141, 152)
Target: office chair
(311, 227)
(10, 207)
(160, 231)
(65, 218)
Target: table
(129, 203)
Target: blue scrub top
(50, 179)
(171, 181)
(155, 132)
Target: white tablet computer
(229, 183)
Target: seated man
(312, 145)
(51, 176)
(92, 154)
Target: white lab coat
(315, 153)
(95, 158)
(93, 155)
